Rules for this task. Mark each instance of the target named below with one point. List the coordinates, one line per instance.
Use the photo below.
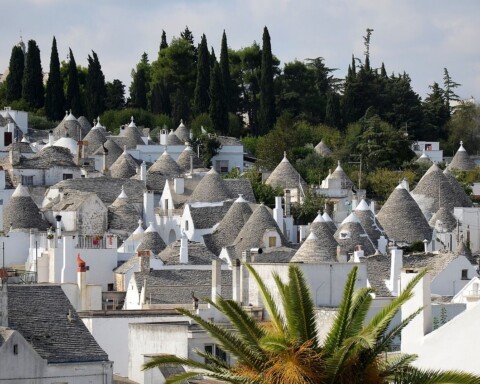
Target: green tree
(333, 115)
(139, 87)
(267, 114)
(15, 75)
(187, 35)
(264, 193)
(449, 89)
(163, 43)
(73, 98)
(96, 90)
(32, 87)
(218, 107)
(287, 348)
(115, 98)
(436, 114)
(54, 96)
(201, 98)
(208, 146)
(225, 69)
(306, 212)
(464, 125)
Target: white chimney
(358, 254)
(143, 171)
(50, 138)
(413, 333)
(396, 266)
(216, 279)
(184, 248)
(278, 212)
(82, 283)
(58, 219)
(148, 206)
(179, 185)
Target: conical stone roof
(182, 132)
(172, 139)
(84, 123)
(460, 194)
(184, 159)
(351, 233)
(424, 158)
(322, 149)
(114, 152)
(251, 235)
(95, 138)
(22, 212)
(461, 161)
(122, 215)
(285, 176)
(68, 127)
(433, 191)
(229, 227)
(166, 166)
(402, 219)
(316, 250)
(369, 221)
(132, 135)
(443, 220)
(329, 222)
(124, 167)
(211, 189)
(151, 241)
(320, 227)
(340, 174)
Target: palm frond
(274, 343)
(248, 328)
(382, 319)
(361, 302)
(159, 361)
(336, 334)
(392, 364)
(268, 301)
(212, 360)
(299, 309)
(181, 378)
(229, 340)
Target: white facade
(44, 177)
(20, 364)
(20, 117)
(430, 148)
(469, 219)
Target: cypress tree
(96, 90)
(267, 97)
(54, 97)
(213, 58)
(225, 69)
(74, 97)
(115, 98)
(32, 87)
(218, 107)
(15, 74)
(201, 99)
(163, 43)
(140, 90)
(332, 110)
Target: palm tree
(286, 349)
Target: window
(27, 180)
(15, 349)
(221, 166)
(186, 225)
(465, 274)
(165, 203)
(215, 350)
(67, 176)
(272, 242)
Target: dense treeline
(247, 93)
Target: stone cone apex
(21, 212)
(363, 206)
(316, 250)
(402, 218)
(285, 176)
(443, 220)
(139, 229)
(322, 149)
(329, 221)
(369, 222)
(461, 161)
(184, 159)
(211, 189)
(166, 166)
(351, 233)
(151, 241)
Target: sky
(420, 37)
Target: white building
(430, 149)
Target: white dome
(67, 142)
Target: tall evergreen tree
(115, 98)
(225, 69)
(54, 96)
(163, 43)
(139, 87)
(15, 74)
(96, 91)
(74, 97)
(160, 99)
(188, 36)
(218, 106)
(267, 98)
(449, 87)
(201, 99)
(180, 107)
(436, 114)
(332, 110)
(32, 87)
(213, 58)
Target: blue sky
(420, 37)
